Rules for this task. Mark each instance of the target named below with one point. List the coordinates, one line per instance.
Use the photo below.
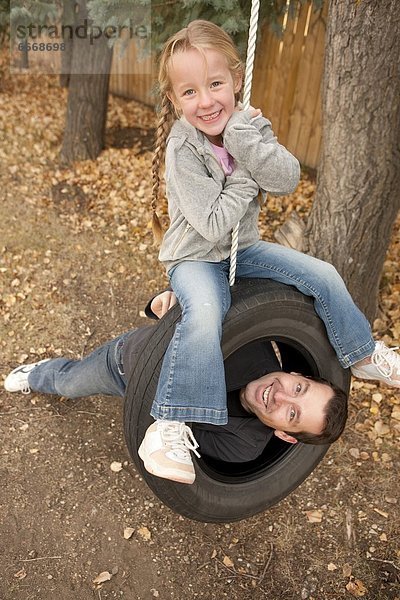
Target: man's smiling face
(288, 402)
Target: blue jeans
(191, 385)
(101, 372)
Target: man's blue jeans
(192, 385)
(101, 372)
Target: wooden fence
(133, 76)
(288, 76)
(286, 82)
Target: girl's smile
(203, 90)
(212, 117)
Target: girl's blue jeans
(192, 384)
(101, 372)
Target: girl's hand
(254, 112)
(162, 303)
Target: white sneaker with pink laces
(384, 366)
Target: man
(262, 399)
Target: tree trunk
(67, 19)
(358, 186)
(24, 55)
(87, 95)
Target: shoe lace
(386, 360)
(179, 437)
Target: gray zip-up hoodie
(204, 204)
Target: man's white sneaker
(165, 451)
(384, 366)
(17, 380)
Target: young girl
(218, 158)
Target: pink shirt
(226, 160)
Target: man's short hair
(335, 418)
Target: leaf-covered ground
(76, 521)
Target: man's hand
(162, 303)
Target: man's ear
(285, 437)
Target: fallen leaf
(356, 588)
(347, 570)
(381, 428)
(377, 397)
(357, 385)
(214, 553)
(116, 466)
(128, 532)
(144, 533)
(354, 452)
(390, 500)
(314, 516)
(102, 577)
(227, 561)
(332, 567)
(386, 457)
(396, 413)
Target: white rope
(251, 50)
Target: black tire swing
(224, 492)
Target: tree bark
(358, 185)
(24, 55)
(87, 96)
(67, 18)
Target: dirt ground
(77, 266)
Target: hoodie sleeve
(210, 207)
(252, 143)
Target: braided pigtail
(163, 129)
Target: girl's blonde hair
(200, 35)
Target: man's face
(287, 402)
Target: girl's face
(203, 89)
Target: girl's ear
(172, 99)
(237, 80)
